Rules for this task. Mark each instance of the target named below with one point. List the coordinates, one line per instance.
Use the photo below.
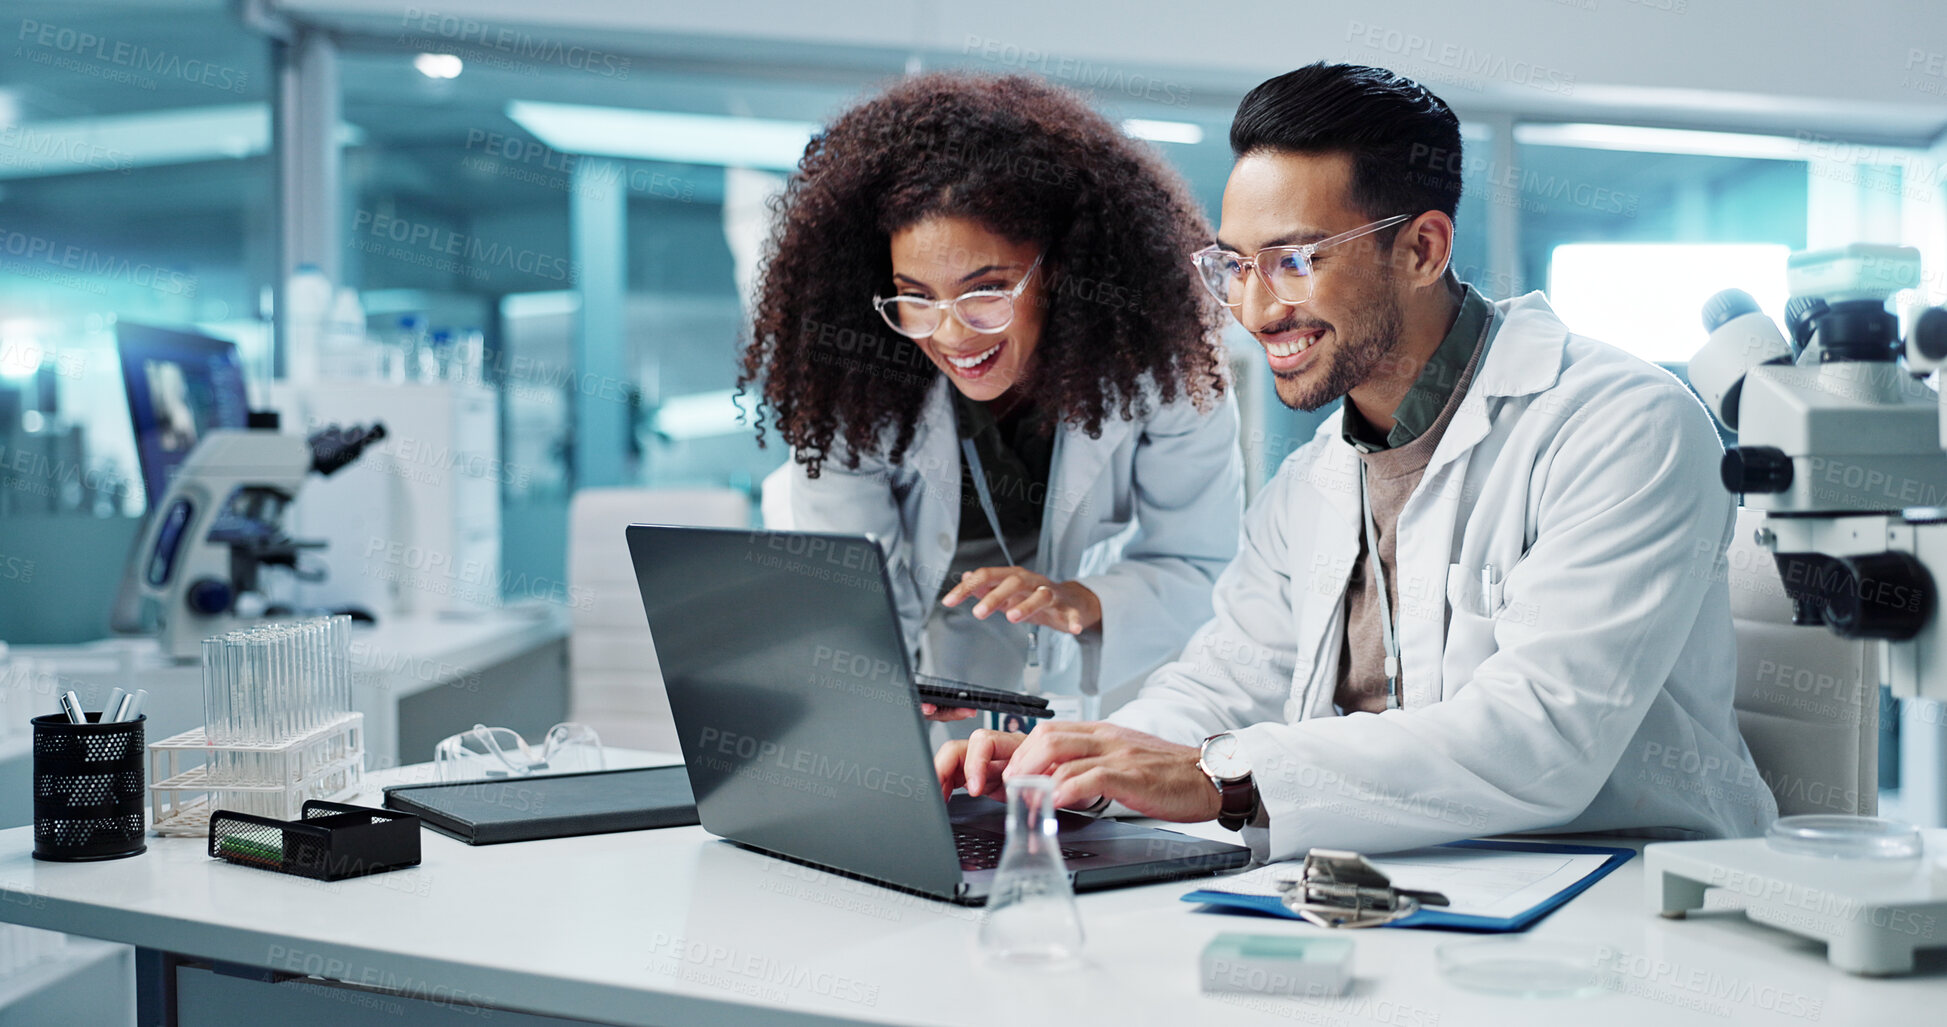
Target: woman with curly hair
(979, 333)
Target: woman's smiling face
(944, 257)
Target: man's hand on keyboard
(976, 763)
(1089, 761)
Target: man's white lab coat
(1595, 697)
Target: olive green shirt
(1435, 385)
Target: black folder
(519, 809)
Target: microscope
(1844, 449)
(218, 526)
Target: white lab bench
(416, 679)
(674, 927)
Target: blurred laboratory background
(549, 217)
(523, 235)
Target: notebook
(522, 809)
(1493, 886)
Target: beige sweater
(1391, 476)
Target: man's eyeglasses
(1285, 270)
(984, 310)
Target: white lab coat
(1597, 697)
(1146, 517)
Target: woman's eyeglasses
(984, 310)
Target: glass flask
(1031, 916)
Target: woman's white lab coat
(1594, 694)
(1146, 517)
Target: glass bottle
(1031, 915)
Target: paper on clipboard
(1478, 882)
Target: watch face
(1223, 758)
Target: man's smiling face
(1320, 349)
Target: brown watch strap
(1237, 803)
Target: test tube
(273, 697)
(307, 661)
(268, 643)
(242, 684)
(341, 665)
(281, 713)
(301, 692)
(286, 682)
(233, 708)
(306, 635)
(238, 654)
(261, 683)
(308, 679)
(216, 691)
(216, 698)
(321, 670)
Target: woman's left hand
(1023, 595)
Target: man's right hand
(976, 762)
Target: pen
(71, 705)
(114, 703)
(132, 705)
(1490, 590)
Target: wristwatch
(1222, 760)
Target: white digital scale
(1872, 913)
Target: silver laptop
(800, 725)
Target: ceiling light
(1164, 131)
(1639, 139)
(439, 65)
(119, 142)
(665, 135)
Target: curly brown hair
(1030, 162)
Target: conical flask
(1031, 916)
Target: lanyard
(1387, 636)
(979, 476)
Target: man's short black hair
(1404, 141)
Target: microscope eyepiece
(333, 447)
(1750, 470)
(1721, 308)
(1930, 333)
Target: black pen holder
(88, 789)
(333, 841)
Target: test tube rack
(268, 779)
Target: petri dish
(1521, 967)
(1841, 837)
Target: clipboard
(1444, 920)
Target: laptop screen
(789, 683)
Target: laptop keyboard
(981, 850)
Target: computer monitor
(180, 385)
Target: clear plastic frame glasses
(1285, 270)
(499, 752)
(984, 310)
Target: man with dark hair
(1487, 597)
